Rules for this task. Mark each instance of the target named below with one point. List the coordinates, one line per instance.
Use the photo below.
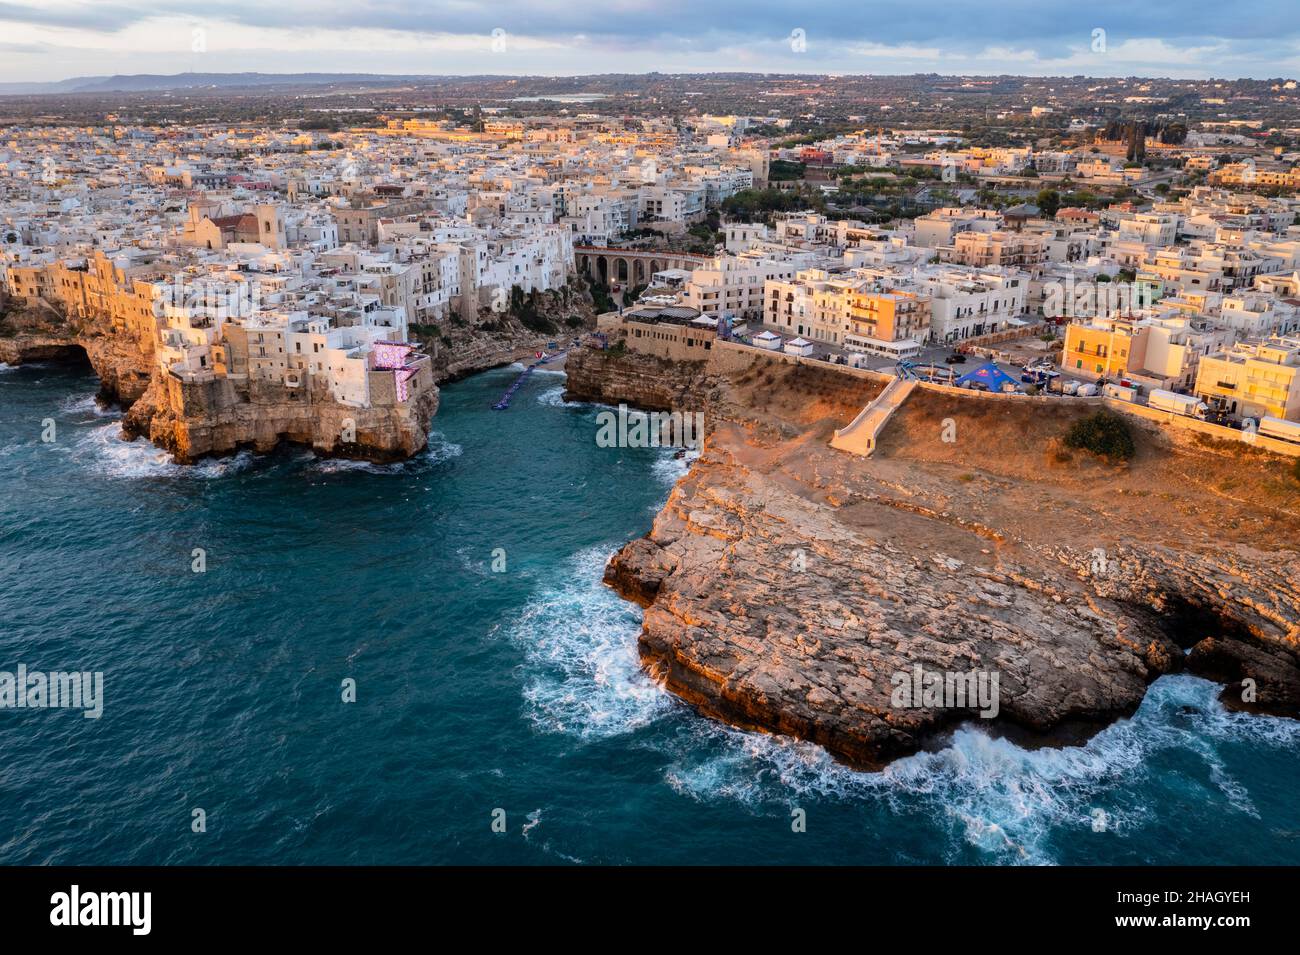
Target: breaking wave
(582, 674)
(552, 397)
(439, 449)
(104, 451)
(671, 469)
(1002, 801)
(87, 406)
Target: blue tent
(989, 375)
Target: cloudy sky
(57, 39)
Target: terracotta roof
(245, 221)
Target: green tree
(1103, 433)
(1049, 202)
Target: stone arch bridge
(631, 266)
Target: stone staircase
(859, 437)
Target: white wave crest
(995, 796)
(583, 673)
(552, 397)
(439, 449)
(86, 406)
(104, 451)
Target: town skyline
(50, 42)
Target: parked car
(956, 358)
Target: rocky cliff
(613, 376)
(221, 416)
(793, 588)
(123, 362)
(460, 348)
(218, 417)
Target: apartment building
(732, 285)
(1100, 348)
(885, 316)
(1253, 379)
(888, 318)
(940, 228)
(980, 250)
(967, 303)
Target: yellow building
(1253, 379)
(887, 315)
(1099, 349)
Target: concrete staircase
(859, 437)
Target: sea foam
(1003, 800)
(583, 675)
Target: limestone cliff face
(736, 627)
(123, 365)
(460, 349)
(788, 586)
(218, 417)
(222, 416)
(613, 377)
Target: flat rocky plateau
(786, 583)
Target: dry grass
(801, 395)
(1207, 481)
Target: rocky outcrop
(798, 590)
(221, 416)
(460, 348)
(613, 376)
(216, 417)
(122, 366)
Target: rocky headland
(786, 585)
(221, 416)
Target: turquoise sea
(478, 690)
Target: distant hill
(146, 82)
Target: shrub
(1103, 433)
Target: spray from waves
(579, 638)
(103, 450)
(670, 469)
(552, 397)
(1004, 801)
(437, 451)
(350, 465)
(87, 406)
(583, 676)
(440, 450)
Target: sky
(43, 40)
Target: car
(956, 358)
